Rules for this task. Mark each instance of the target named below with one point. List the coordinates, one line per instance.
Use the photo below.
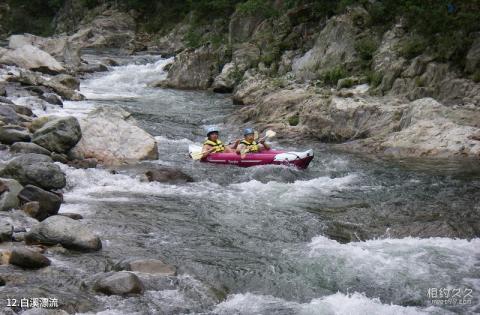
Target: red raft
(297, 159)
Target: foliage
(293, 120)
(412, 47)
(366, 47)
(374, 78)
(332, 76)
(257, 7)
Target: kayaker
(213, 145)
(248, 144)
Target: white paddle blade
(270, 134)
(196, 155)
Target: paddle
(199, 155)
(268, 134)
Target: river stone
(52, 98)
(112, 136)
(28, 258)
(69, 233)
(152, 266)
(32, 208)
(59, 135)
(32, 58)
(3, 92)
(74, 216)
(49, 203)
(8, 114)
(12, 134)
(9, 196)
(119, 283)
(167, 175)
(67, 80)
(35, 169)
(28, 147)
(6, 232)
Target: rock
(58, 135)
(49, 203)
(33, 209)
(3, 92)
(112, 137)
(173, 42)
(2, 283)
(12, 134)
(193, 69)
(152, 266)
(59, 157)
(91, 68)
(9, 196)
(32, 58)
(334, 47)
(6, 232)
(52, 98)
(35, 169)
(472, 60)
(167, 175)
(8, 114)
(225, 81)
(40, 122)
(68, 81)
(110, 29)
(84, 163)
(241, 27)
(69, 233)
(28, 258)
(28, 147)
(119, 283)
(59, 47)
(74, 216)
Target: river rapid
(349, 235)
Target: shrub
(412, 47)
(374, 78)
(257, 7)
(332, 76)
(366, 47)
(293, 120)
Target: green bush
(293, 120)
(374, 78)
(332, 76)
(366, 47)
(412, 47)
(193, 38)
(257, 7)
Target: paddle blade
(270, 134)
(196, 155)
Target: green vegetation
(374, 78)
(412, 47)
(293, 120)
(332, 76)
(257, 7)
(366, 47)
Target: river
(349, 235)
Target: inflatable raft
(297, 159)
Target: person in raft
(248, 144)
(213, 145)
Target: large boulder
(35, 169)
(150, 266)
(193, 69)
(32, 58)
(173, 42)
(8, 114)
(58, 135)
(168, 175)
(12, 134)
(10, 189)
(27, 258)
(112, 28)
(67, 232)
(28, 147)
(119, 283)
(241, 27)
(6, 232)
(49, 203)
(112, 137)
(59, 47)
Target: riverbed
(352, 234)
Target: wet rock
(59, 157)
(35, 169)
(28, 147)
(151, 266)
(173, 42)
(2, 282)
(49, 203)
(6, 232)
(32, 58)
(10, 134)
(19, 236)
(9, 195)
(68, 81)
(91, 68)
(119, 283)
(3, 92)
(65, 231)
(58, 135)
(112, 137)
(32, 209)
(225, 81)
(168, 175)
(40, 122)
(52, 99)
(8, 114)
(27, 258)
(74, 216)
(83, 163)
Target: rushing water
(333, 239)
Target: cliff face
(342, 80)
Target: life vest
(219, 147)
(251, 146)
